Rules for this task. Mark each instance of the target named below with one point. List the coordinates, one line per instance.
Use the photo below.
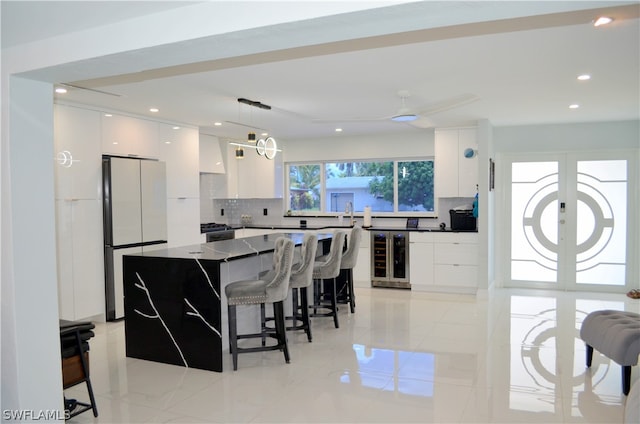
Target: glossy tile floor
(402, 357)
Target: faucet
(349, 209)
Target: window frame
(323, 190)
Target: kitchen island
(175, 306)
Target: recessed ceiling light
(176, 128)
(61, 90)
(602, 20)
(153, 109)
(167, 142)
(108, 115)
(338, 129)
(584, 77)
(217, 124)
(574, 106)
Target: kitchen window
(387, 187)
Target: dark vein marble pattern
(175, 311)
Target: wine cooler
(390, 259)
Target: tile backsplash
(247, 211)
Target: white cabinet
(251, 232)
(443, 262)
(210, 155)
(78, 171)
(254, 177)
(455, 174)
(456, 260)
(183, 222)
(80, 258)
(179, 150)
(362, 270)
(128, 136)
(421, 261)
(78, 180)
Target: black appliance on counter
(216, 232)
(462, 220)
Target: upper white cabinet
(179, 150)
(128, 136)
(78, 171)
(254, 176)
(210, 155)
(455, 174)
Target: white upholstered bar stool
(325, 271)
(301, 279)
(258, 292)
(349, 259)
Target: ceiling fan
(405, 114)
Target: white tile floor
(402, 357)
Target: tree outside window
(304, 187)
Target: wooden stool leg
(85, 371)
(233, 335)
(352, 296)
(305, 312)
(334, 306)
(626, 379)
(281, 328)
(294, 299)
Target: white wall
(486, 210)
(341, 147)
(31, 371)
(568, 137)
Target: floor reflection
(374, 363)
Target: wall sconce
(239, 153)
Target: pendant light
(251, 137)
(239, 153)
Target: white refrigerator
(134, 218)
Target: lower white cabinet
(444, 262)
(362, 270)
(80, 258)
(421, 261)
(251, 232)
(455, 260)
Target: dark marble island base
(175, 307)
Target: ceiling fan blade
(449, 104)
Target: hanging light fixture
(267, 147)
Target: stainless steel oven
(216, 232)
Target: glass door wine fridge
(390, 259)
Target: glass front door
(569, 222)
